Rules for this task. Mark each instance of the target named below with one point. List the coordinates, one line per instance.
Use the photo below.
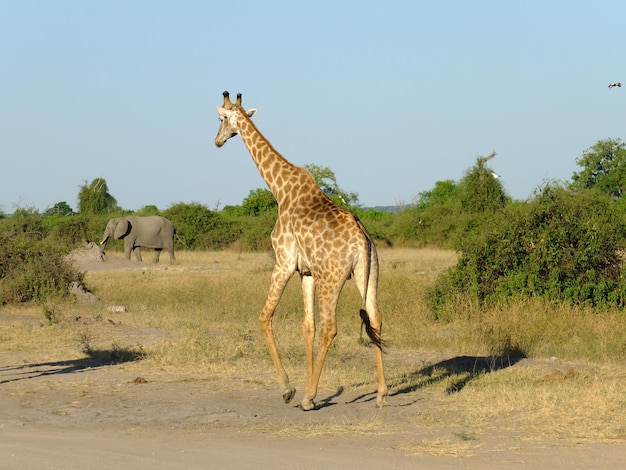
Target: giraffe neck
(278, 173)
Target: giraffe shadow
(95, 359)
(457, 371)
(328, 401)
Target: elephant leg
(137, 251)
(157, 255)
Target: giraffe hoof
(288, 394)
(307, 405)
(381, 401)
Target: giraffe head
(229, 114)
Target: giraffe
(320, 240)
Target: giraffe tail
(373, 335)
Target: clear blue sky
(393, 96)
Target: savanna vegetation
(527, 277)
(197, 321)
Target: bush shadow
(95, 359)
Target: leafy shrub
(70, 232)
(256, 231)
(378, 224)
(31, 267)
(560, 246)
(440, 215)
(21, 223)
(148, 210)
(199, 228)
(435, 225)
(479, 191)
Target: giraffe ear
(251, 112)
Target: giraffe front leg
(279, 281)
(287, 391)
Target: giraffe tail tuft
(374, 335)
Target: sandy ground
(82, 415)
(89, 414)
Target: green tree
(95, 198)
(480, 191)
(440, 194)
(327, 181)
(604, 168)
(259, 201)
(60, 208)
(150, 209)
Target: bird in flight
(614, 84)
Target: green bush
(32, 267)
(560, 246)
(435, 225)
(198, 228)
(256, 231)
(21, 223)
(479, 192)
(440, 215)
(72, 231)
(378, 224)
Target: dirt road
(86, 414)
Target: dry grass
(201, 316)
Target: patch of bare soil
(110, 411)
(90, 257)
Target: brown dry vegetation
(460, 378)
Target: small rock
(82, 294)
(117, 308)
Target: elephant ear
(122, 228)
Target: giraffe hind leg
(328, 296)
(308, 332)
(327, 334)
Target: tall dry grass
(210, 301)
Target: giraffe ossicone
(321, 241)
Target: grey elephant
(149, 232)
